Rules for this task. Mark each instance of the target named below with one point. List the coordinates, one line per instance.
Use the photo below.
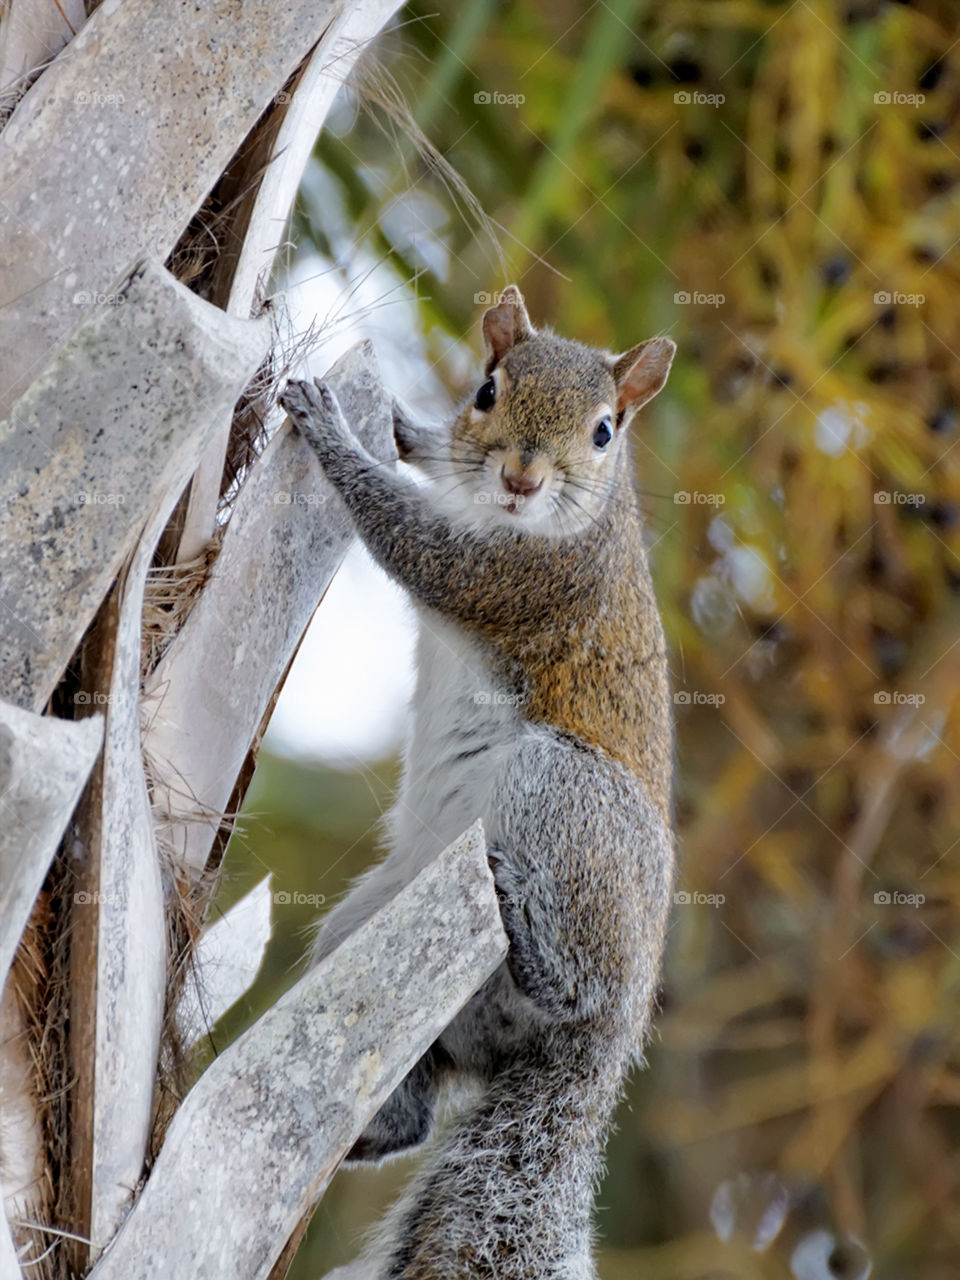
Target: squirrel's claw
(315, 413)
(300, 399)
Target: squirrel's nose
(522, 483)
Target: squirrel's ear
(640, 373)
(505, 325)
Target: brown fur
(576, 803)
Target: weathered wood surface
(109, 154)
(44, 764)
(118, 942)
(257, 1139)
(285, 540)
(115, 422)
(279, 151)
(117, 934)
(123, 411)
(226, 962)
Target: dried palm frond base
(170, 593)
(251, 429)
(36, 1013)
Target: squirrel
(541, 706)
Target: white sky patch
(347, 693)
(346, 697)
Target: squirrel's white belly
(461, 714)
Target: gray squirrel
(542, 707)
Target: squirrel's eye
(603, 433)
(486, 396)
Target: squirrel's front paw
(316, 415)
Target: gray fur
(577, 826)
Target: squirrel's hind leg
(584, 887)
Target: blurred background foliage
(775, 185)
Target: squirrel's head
(538, 446)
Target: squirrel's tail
(508, 1192)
